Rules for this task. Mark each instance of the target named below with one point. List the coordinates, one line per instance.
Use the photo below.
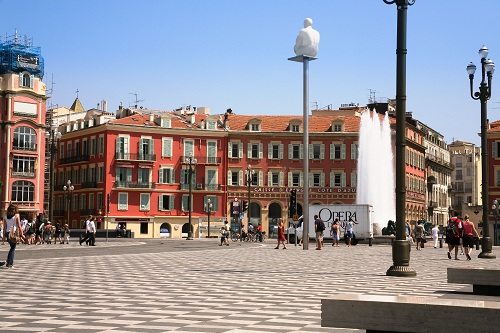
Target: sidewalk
(198, 286)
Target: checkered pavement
(245, 288)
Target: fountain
(375, 183)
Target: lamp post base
(190, 236)
(486, 249)
(401, 260)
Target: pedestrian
(281, 234)
(259, 231)
(1, 231)
(335, 232)
(419, 234)
(408, 232)
(319, 228)
(435, 235)
(453, 235)
(66, 234)
(469, 232)
(11, 221)
(59, 234)
(89, 231)
(30, 232)
(224, 234)
(350, 231)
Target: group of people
(460, 232)
(225, 232)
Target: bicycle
(235, 236)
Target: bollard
(477, 243)
(370, 241)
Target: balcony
(88, 212)
(135, 157)
(205, 187)
(89, 185)
(122, 184)
(74, 159)
(203, 159)
(439, 161)
(29, 146)
(23, 174)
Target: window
(235, 150)
(23, 191)
(317, 179)
(255, 127)
(458, 175)
(275, 178)
(275, 151)
(354, 151)
(495, 149)
(338, 179)
(458, 162)
(146, 149)
(235, 177)
(83, 176)
(337, 128)
(83, 202)
(100, 174)
(214, 200)
(26, 80)
(85, 147)
(254, 150)
(144, 201)
(143, 175)
(295, 151)
(74, 202)
(166, 147)
(354, 179)
(100, 202)
(295, 179)
(337, 151)
(100, 146)
(211, 151)
(24, 138)
(23, 166)
(166, 175)
(185, 176)
(123, 176)
(185, 203)
(295, 128)
(316, 151)
(211, 181)
(92, 146)
(188, 148)
(210, 125)
(122, 148)
(165, 202)
(122, 201)
(166, 123)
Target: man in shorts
(319, 227)
(453, 238)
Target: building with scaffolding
(22, 126)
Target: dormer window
(26, 80)
(255, 127)
(294, 125)
(211, 125)
(166, 123)
(337, 126)
(295, 128)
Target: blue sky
(233, 54)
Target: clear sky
(233, 54)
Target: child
(66, 234)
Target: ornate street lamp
(68, 189)
(249, 172)
(401, 247)
(208, 208)
(53, 137)
(191, 162)
(483, 95)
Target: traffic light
(292, 206)
(244, 206)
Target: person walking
(349, 234)
(89, 231)
(335, 232)
(319, 228)
(435, 235)
(453, 235)
(419, 234)
(11, 221)
(281, 234)
(469, 231)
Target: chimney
(151, 117)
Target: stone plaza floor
(171, 285)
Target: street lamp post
(191, 162)
(483, 95)
(53, 136)
(401, 247)
(208, 208)
(249, 172)
(68, 189)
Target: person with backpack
(453, 235)
(319, 228)
(468, 237)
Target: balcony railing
(123, 184)
(23, 174)
(88, 212)
(203, 159)
(205, 187)
(74, 159)
(89, 185)
(26, 146)
(135, 157)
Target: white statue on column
(307, 40)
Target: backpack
(321, 225)
(451, 229)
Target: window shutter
(269, 178)
(20, 79)
(160, 202)
(322, 179)
(215, 204)
(139, 175)
(260, 178)
(229, 177)
(354, 152)
(290, 151)
(332, 151)
(160, 176)
(281, 147)
(290, 179)
(354, 179)
(494, 150)
(172, 202)
(167, 148)
(269, 150)
(311, 179)
(261, 148)
(249, 150)
(229, 149)
(172, 176)
(342, 151)
(311, 152)
(240, 178)
(281, 179)
(129, 174)
(322, 151)
(240, 150)
(332, 179)
(32, 79)
(343, 179)
(301, 179)
(301, 151)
